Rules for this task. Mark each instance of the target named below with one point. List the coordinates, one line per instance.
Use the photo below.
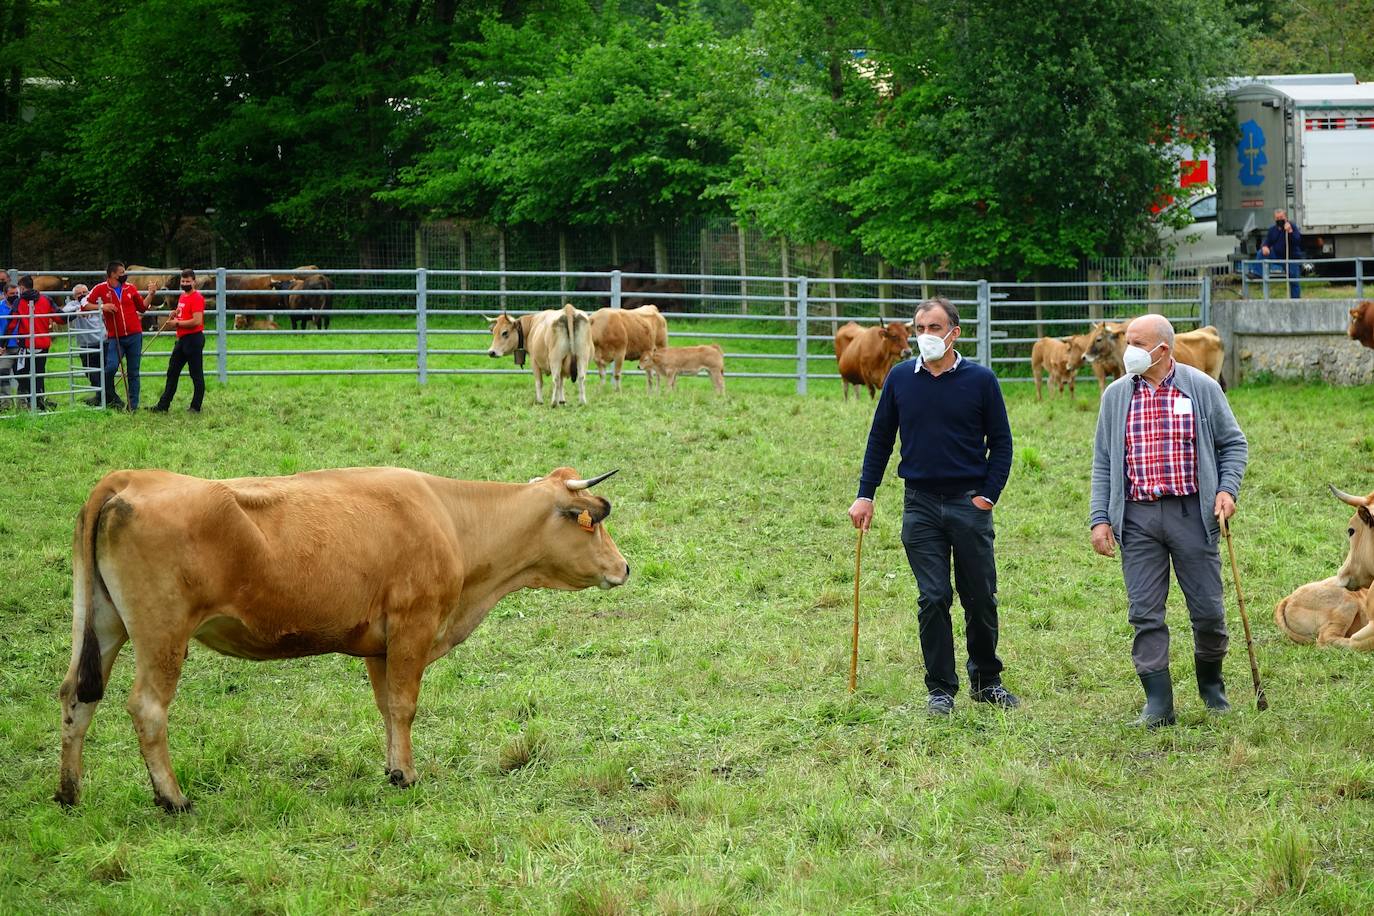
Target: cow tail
(86, 666)
(570, 319)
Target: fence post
(1359, 279)
(422, 323)
(801, 335)
(985, 323)
(1205, 300)
(221, 327)
(615, 290)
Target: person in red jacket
(35, 315)
(123, 308)
(189, 320)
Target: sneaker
(940, 704)
(997, 695)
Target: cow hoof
(400, 780)
(172, 807)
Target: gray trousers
(1152, 534)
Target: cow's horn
(1356, 501)
(586, 484)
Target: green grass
(685, 744)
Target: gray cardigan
(1221, 448)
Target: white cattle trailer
(1307, 147)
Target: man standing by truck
(1283, 242)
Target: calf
(1051, 354)
(866, 355)
(244, 323)
(675, 361)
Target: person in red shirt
(34, 317)
(189, 321)
(122, 307)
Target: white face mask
(932, 347)
(1138, 360)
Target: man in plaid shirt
(1167, 462)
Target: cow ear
(1365, 517)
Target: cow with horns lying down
(390, 565)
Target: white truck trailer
(1307, 147)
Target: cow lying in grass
(1327, 614)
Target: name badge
(1182, 407)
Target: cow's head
(1358, 570)
(897, 340)
(507, 336)
(1076, 353)
(577, 550)
(648, 359)
(1108, 341)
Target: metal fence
(428, 322)
(40, 379)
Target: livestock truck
(1305, 145)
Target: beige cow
(675, 361)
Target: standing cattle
(161, 288)
(621, 334)
(391, 565)
(866, 355)
(1051, 354)
(319, 301)
(558, 341)
(1362, 323)
(675, 361)
(1201, 349)
(1107, 352)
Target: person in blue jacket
(1283, 242)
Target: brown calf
(675, 361)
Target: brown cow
(621, 334)
(1358, 570)
(675, 361)
(1201, 349)
(1052, 355)
(866, 355)
(319, 301)
(1362, 323)
(1107, 352)
(558, 341)
(1327, 614)
(388, 564)
(244, 323)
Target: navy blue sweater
(1277, 247)
(955, 434)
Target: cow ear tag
(584, 519)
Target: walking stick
(1261, 701)
(854, 653)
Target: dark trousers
(90, 361)
(188, 352)
(1152, 535)
(35, 362)
(934, 528)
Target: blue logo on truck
(1250, 152)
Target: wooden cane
(1261, 701)
(854, 653)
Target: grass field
(685, 744)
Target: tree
(631, 128)
(1329, 36)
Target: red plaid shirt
(1161, 442)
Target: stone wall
(1291, 338)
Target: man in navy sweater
(956, 456)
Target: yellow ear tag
(585, 520)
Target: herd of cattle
(565, 342)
